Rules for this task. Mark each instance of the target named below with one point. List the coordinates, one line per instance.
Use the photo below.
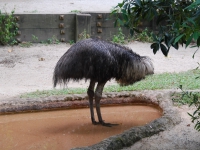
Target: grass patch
(184, 98)
(187, 80)
(162, 81)
(46, 93)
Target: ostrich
(99, 61)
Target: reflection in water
(69, 128)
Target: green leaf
(154, 37)
(120, 4)
(195, 112)
(123, 11)
(131, 32)
(197, 13)
(150, 13)
(193, 58)
(176, 45)
(138, 2)
(114, 11)
(189, 40)
(191, 20)
(198, 41)
(125, 17)
(125, 6)
(120, 22)
(193, 5)
(178, 38)
(115, 23)
(168, 39)
(155, 47)
(195, 35)
(185, 25)
(164, 49)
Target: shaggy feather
(100, 61)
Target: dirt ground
(30, 69)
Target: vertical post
(83, 26)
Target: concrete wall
(45, 26)
(66, 27)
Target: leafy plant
(83, 35)
(75, 11)
(13, 42)
(28, 43)
(8, 28)
(178, 22)
(144, 36)
(191, 98)
(25, 44)
(52, 40)
(35, 38)
(119, 38)
(71, 42)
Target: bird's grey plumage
(99, 61)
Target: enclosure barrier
(37, 28)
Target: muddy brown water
(65, 129)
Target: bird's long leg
(90, 93)
(98, 95)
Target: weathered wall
(45, 26)
(66, 27)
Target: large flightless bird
(99, 61)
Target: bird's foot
(108, 124)
(95, 123)
(103, 123)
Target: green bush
(144, 36)
(119, 38)
(8, 28)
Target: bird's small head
(136, 70)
